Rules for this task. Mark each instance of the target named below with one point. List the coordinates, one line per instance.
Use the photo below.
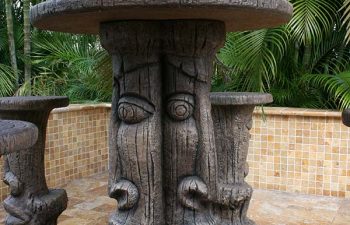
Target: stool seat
(16, 135)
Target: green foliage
(346, 18)
(72, 65)
(254, 55)
(337, 85)
(7, 80)
(312, 19)
(303, 64)
(62, 64)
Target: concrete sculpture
(164, 163)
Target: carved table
(31, 202)
(164, 166)
(16, 136)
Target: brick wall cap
(285, 111)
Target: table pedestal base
(164, 164)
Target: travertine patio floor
(89, 205)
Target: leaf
(313, 18)
(7, 80)
(338, 86)
(255, 55)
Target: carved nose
(192, 190)
(125, 193)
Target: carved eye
(134, 110)
(180, 107)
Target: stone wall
(294, 150)
(300, 150)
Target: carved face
(180, 106)
(133, 110)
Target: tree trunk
(12, 48)
(307, 54)
(27, 45)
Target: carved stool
(16, 136)
(164, 166)
(31, 202)
(232, 115)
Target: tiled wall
(76, 144)
(294, 150)
(300, 150)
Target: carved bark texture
(232, 116)
(135, 131)
(232, 125)
(31, 202)
(164, 165)
(190, 166)
(16, 136)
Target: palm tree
(27, 43)
(11, 39)
(72, 65)
(302, 64)
(54, 63)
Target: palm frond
(333, 55)
(7, 79)
(80, 60)
(337, 86)
(255, 55)
(346, 19)
(313, 18)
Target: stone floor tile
(103, 221)
(345, 207)
(281, 208)
(84, 214)
(97, 202)
(99, 191)
(63, 218)
(90, 205)
(343, 215)
(106, 208)
(75, 221)
(74, 201)
(341, 220)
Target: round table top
(85, 16)
(16, 135)
(33, 103)
(240, 98)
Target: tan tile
(75, 221)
